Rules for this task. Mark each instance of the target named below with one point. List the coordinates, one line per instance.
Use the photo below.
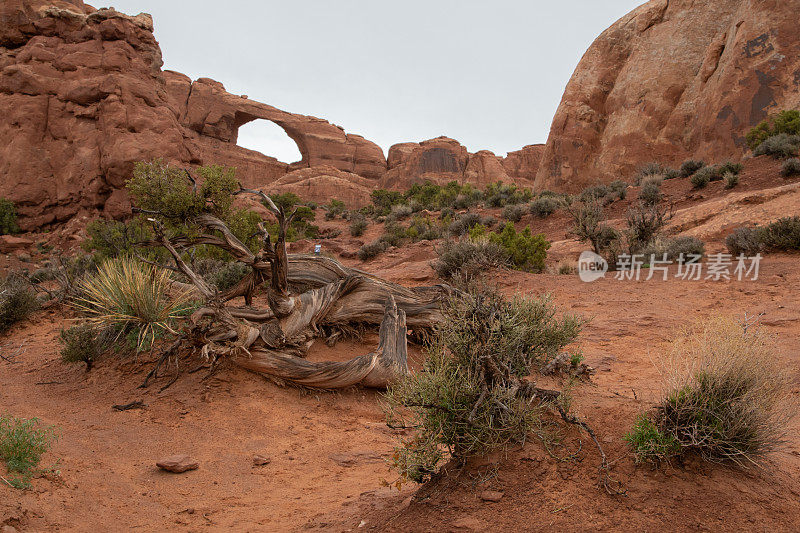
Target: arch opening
(268, 138)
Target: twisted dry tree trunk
(308, 297)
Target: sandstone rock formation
(441, 160)
(673, 79)
(320, 184)
(82, 97)
(522, 165)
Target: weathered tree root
(377, 369)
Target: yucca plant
(126, 295)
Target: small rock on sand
(177, 464)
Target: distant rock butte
(670, 80)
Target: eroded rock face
(441, 160)
(321, 184)
(83, 97)
(670, 80)
(522, 165)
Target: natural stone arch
(271, 127)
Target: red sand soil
(328, 451)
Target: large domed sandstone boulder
(323, 183)
(83, 97)
(441, 160)
(670, 80)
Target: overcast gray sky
(488, 73)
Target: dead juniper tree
(307, 296)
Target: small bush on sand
(673, 248)
(650, 193)
(689, 167)
(464, 258)
(786, 122)
(335, 209)
(727, 398)
(228, 275)
(779, 146)
(470, 399)
(461, 225)
(783, 234)
(503, 194)
(82, 343)
(8, 217)
(525, 250)
(747, 241)
(22, 444)
(702, 177)
(791, 167)
(513, 213)
(645, 222)
(730, 179)
(17, 301)
(132, 298)
(372, 249)
(358, 226)
(544, 206)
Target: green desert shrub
(384, 199)
(513, 213)
(358, 226)
(22, 444)
(503, 194)
(227, 274)
(457, 410)
(372, 249)
(8, 217)
(525, 250)
(689, 167)
(83, 343)
(399, 212)
(746, 240)
(702, 177)
(786, 122)
(589, 226)
(336, 208)
(544, 206)
(650, 192)
(783, 234)
(727, 398)
(132, 298)
(791, 167)
(645, 223)
(112, 238)
(465, 222)
(17, 301)
(464, 258)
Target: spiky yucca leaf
(128, 295)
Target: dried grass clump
(727, 398)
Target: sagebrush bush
(458, 411)
(226, 275)
(82, 343)
(650, 192)
(130, 297)
(8, 217)
(464, 258)
(336, 208)
(673, 248)
(358, 226)
(544, 206)
(781, 145)
(588, 225)
(727, 399)
(17, 301)
(372, 249)
(701, 178)
(513, 213)
(783, 234)
(399, 212)
(689, 167)
(465, 222)
(22, 444)
(645, 222)
(747, 241)
(790, 167)
(731, 180)
(503, 194)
